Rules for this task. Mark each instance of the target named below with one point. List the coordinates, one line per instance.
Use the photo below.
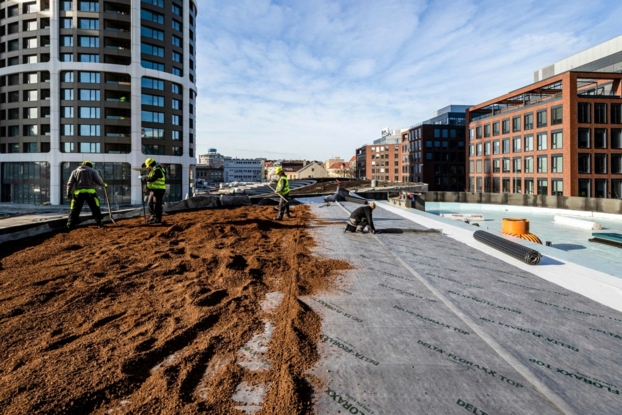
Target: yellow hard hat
(87, 163)
(149, 162)
(278, 169)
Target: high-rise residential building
(113, 82)
(558, 136)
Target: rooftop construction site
(224, 310)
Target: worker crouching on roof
(361, 219)
(156, 186)
(282, 188)
(80, 189)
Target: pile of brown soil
(148, 319)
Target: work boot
(278, 218)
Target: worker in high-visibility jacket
(156, 187)
(80, 189)
(282, 188)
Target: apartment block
(108, 81)
(558, 136)
(433, 151)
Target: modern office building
(243, 170)
(212, 159)
(108, 81)
(433, 151)
(558, 136)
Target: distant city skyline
(320, 78)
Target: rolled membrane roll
(520, 252)
(578, 223)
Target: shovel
(108, 202)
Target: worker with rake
(361, 219)
(156, 186)
(282, 189)
(80, 189)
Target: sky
(314, 79)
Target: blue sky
(317, 78)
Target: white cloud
(317, 78)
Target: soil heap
(147, 319)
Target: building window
(90, 112)
(153, 149)
(600, 113)
(585, 188)
(529, 188)
(66, 5)
(600, 188)
(176, 135)
(516, 148)
(600, 138)
(506, 165)
(616, 164)
(152, 16)
(176, 120)
(88, 57)
(66, 112)
(152, 65)
(616, 138)
(583, 166)
(556, 115)
(584, 138)
(176, 41)
(66, 129)
(541, 119)
(478, 166)
(496, 185)
(557, 187)
(600, 163)
(90, 147)
(542, 141)
(152, 83)
(542, 164)
(556, 140)
(479, 149)
(487, 130)
(90, 77)
(153, 100)
(506, 145)
(89, 94)
(584, 113)
(496, 165)
(151, 116)
(616, 113)
(88, 24)
(90, 131)
(487, 148)
(66, 57)
(495, 147)
(543, 188)
(66, 94)
(528, 164)
(66, 41)
(528, 143)
(153, 50)
(88, 41)
(88, 6)
(153, 133)
(517, 164)
(515, 124)
(487, 166)
(152, 33)
(556, 164)
(528, 122)
(495, 128)
(505, 126)
(66, 23)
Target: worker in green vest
(156, 187)
(80, 189)
(282, 188)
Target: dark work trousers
(76, 207)
(284, 206)
(360, 225)
(155, 202)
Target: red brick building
(559, 136)
(379, 162)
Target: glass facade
(26, 182)
(116, 175)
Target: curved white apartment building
(111, 81)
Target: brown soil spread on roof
(152, 319)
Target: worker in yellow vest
(282, 188)
(80, 189)
(156, 187)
